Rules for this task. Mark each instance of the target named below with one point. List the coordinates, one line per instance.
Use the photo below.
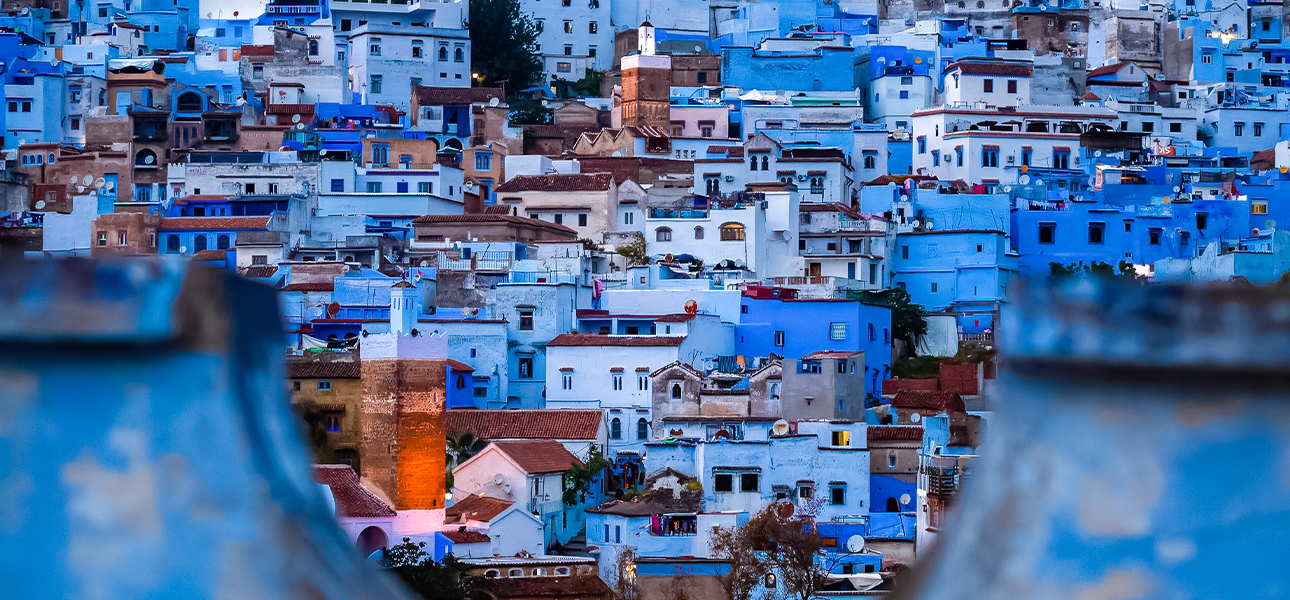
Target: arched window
(145, 158)
(51, 158)
(698, 233)
(752, 164)
(962, 5)
(663, 234)
(313, 47)
(765, 163)
(515, 573)
(199, 243)
(561, 571)
(492, 574)
(172, 243)
(770, 580)
(102, 97)
(443, 53)
(459, 55)
(676, 391)
(221, 243)
(642, 429)
(870, 162)
(893, 505)
(372, 539)
(461, 381)
(732, 232)
(980, 4)
(189, 102)
(616, 429)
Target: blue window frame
(990, 157)
(338, 185)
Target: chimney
(403, 308)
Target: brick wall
(403, 438)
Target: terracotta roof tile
(675, 318)
(211, 255)
(352, 500)
(894, 433)
(222, 223)
(577, 586)
(989, 67)
(466, 536)
(539, 456)
(1107, 70)
(540, 424)
(590, 339)
(941, 401)
(345, 366)
(475, 508)
(491, 218)
(1089, 96)
(260, 271)
(561, 182)
(314, 286)
(438, 96)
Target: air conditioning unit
(801, 178)
(1012, 159)
(730, 178)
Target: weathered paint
(1139, 452)
(149, 449)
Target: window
(629, 218)
(732, 232)
(958, 155)
(642, 380)
(1184, 237)
(805, 491)
(483, 160)
(1012, 86)
(1175, 128)
(1259, 207)
(1096, 233)
(922, 145)
(841, 438)
(817, 187)
(904, 94)
(76, 124)
(373, 187)
(837, 331)
(1061, 159)
(561, 571)
(516, 572)
(566, 380)
(748, 482)
(617, 379)
(615, 429)
(934, 287)
(221, 243)
(642, 429)
(338, 185)
(1238, 129)
(568, 26)
(172, 244)
(1148, 126)
(1153, 236)
(723, 482)
(416, 51)
(424, 187)
(838, 494)
(990, 157)
(102, 238)
(676, 391)
(376, 84)
(526, 368)
(582, 220)
(324, 386)
(779, 339)
(1258, 130)
(458, 55)
(698, 233)
(121, 238)
(663, 234)
(870, 162)
(1202, 221)
(526, 319)
(1047, 233)
(568, 49)
(592, 27)
(987, 86)
(1207, 58)
(333, 423)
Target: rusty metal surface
(147, 447)
(1140, 449)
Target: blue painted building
(825, 67)
(795, 328)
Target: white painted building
(757, 230)
(528, 473)
(988, 82)
(573, 36)
(386, 62)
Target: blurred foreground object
(149, 451)
(1141, 450)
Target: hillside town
(583, 296)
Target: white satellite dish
(99, 183)
(40, 204)
(87, 180)
(299, 125)
(318, 311)
(855, 544)
(75, 179)
(498, 479)
(1039, 182)
(494, 101)
(1097, 153)
(183, 249)
(322, 152)
(80, 189)
(147, 160)
(780, 427)
(915, 223)
(465, 311)
(295, 118)
(1023, 180)
(904, 499)
(109, 186)
(914, 418)
(1177, 189)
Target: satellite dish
(780, 427)
(904, 499)
(914, 418)
(1177, 189)
(1097, 153)
(298, 124)
(87, 180)
(494, 101)
(855, 544)
(322, 152)
(333, 309)
(40, 204)
(235, 13)
(721, 434)
(240, 101)
(545, 104)
(98, 183)
(109, 186)
(209, 14)
(1270, 223)
(318, 311)
(1039, 182)
(183, 249)
(80, 189)
(465, 311)
(295, 118)
(915, 223)
(691, 307)
(474, 312)
(147, 160)
(785, 510)
(498, 479)
(75, 179)
(416, 277)
(25, 11)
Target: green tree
(787, 539)
(907, 321)
(635, 252)
(448, 580)
(578, 479)
(314, 424)
(459, 449)
(734, 546)
(503, 45)
(1097, 268)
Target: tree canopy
(503, 45)
(428, 579)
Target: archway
(893, 505)
(372, 539)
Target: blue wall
(806, 327)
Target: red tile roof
(829, 354)
(221, 223)
(894, 433)
(540, 424)
(675, 318)
(1107, 70)
(459, 366)
(466, 536)
(211, 255)
(814, 207)
(560, 182)
(475, 508)
(345, 366)
(352, 499)
(539, 456)
(261, 50)
(590, 339)
(439, 96)
(926, 399)
(585, 587)
(491, 218)
(260, 271)
(990, 67)
(1089, 96)
(313, 286)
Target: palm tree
(463, 446)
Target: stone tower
(647, 83)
